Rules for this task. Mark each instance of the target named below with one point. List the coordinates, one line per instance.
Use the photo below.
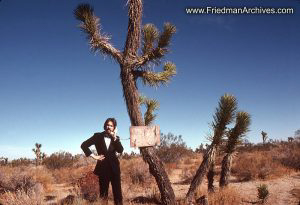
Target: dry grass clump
(257, 165)
(70, 174)
(22, 197)
(169, 167)
(188, 173)
(288, 154)
(24, 185)
(135, 171)
(44, 176)
(17, 178)
(226, 196)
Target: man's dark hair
(113, 120)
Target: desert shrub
(188, 173)
(80, 160)
(22, 197)
(172, 148)
(262, 193)
(14, 179)
(89, 186)
(135, 170)
(59, 160)
(226, 196)
(200, 149)
(137, 174)
(70, 174)
(256, 165)
(249, 147)
(289, 155)
(125, 155)
(43, 176)
(21, 162)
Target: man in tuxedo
(107, 143)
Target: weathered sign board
(144, 136)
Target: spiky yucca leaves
(165, 37)
(222, 117)
(91, 26)
(151, 37)
(154, 79)
(235, 136)
(151, 106)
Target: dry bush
(22, 197)
(288, 155)
(21, 162)
(70, 174)
(169, 167)
(17, 178)
(25, 179)
(43, 175)
(187, 161)
(188, 173)
(256, 165)
(135, 171)
(172, 148)
(226, 196)
(59, 160)
(89, 186)
(82, 161)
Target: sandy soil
(283, 191)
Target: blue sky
(56, 92)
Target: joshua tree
(235, 136)
(134, 66)
(39, 155)
(264, 136)
(223, 116)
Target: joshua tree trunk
(157, 170)
(202, 170)
(210, 177)
(226, 168)
(155, 166)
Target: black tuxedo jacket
(111, 162)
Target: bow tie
(107, 136)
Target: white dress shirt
(107, 141)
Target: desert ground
(275, 165)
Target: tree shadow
(183, 182)
(145, 200)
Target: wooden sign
(144, 136)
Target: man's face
(109, 127)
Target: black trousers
(115, 180)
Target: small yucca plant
(262, 193)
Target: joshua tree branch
(155, 78)
(91, 26)
(150, 35)
(151, 105)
